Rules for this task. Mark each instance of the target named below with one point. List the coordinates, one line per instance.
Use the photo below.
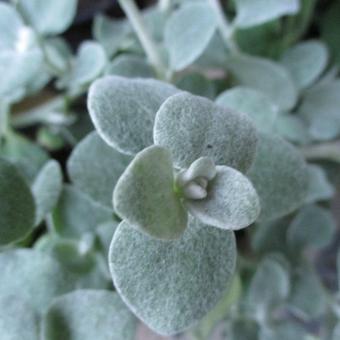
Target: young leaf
(255, 12)
(46, 189)
(88, 65)
(286, 330)
(17, 208)
(266, 76)
(306, 62)
(123, 110)
(38, 277)
(162, 282)
(48, 17)
(231, 203)
(279, 175)
(319, 187)
(77, 214)
(252, 102)
(18, 320)
(94, 168)
(88, 315)
(312, 227)
(192, 127)
(186, 45)
(130, 66)
(320, 108)
(144, 195)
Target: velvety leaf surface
(186, 45)
(251, 102)
(18, 320)
(130, 66)
(123, 110)
(144, 195)
(269, 286)
(38, 277)
(279, 175)
(88, 315)
(48, 17)
(306, 62)
(319, 187)
(192, 127)
(162, 282)
(76, 213)
(231, 203)
(111, 33)
(46, 189)
(271, 78)
(312, 227)
(320, 108)
(255, 12)
(94, 168)
(89, 63)
(17, 208)
(27, 156)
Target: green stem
(133, 14)
(225, 28)
(4, 119)
(326, 151)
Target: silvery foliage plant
(203, 153)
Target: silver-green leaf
(144, 195)
(171, 285)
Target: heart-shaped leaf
(279, 175)
(144, 195)
(266, 76)
(18, 320)
(94, 167)
(255, 12)
(231, 202)
(186, 45)
(38, 277)
(76, 213)
(192, 127)
(46, 189)
(17, 208)
(123, 110)
(163, 282)
(88, 315)
(48, 17)
(252, 102)
(306, 62)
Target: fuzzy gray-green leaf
(163, 282)
(17, 208)
(251, 102)
(123, 110)
(264, 75)
(38, 277)
(279, 175)
(255, 12)
(231, 203)
(186, 45)
(144, 195)
(306, 62)
(18, 320)
(192, 127)
(88, 315)
(94, 167)
(46, 189)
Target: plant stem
(326, 151)
(150, 48)
(4, 119)
(225, 28)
